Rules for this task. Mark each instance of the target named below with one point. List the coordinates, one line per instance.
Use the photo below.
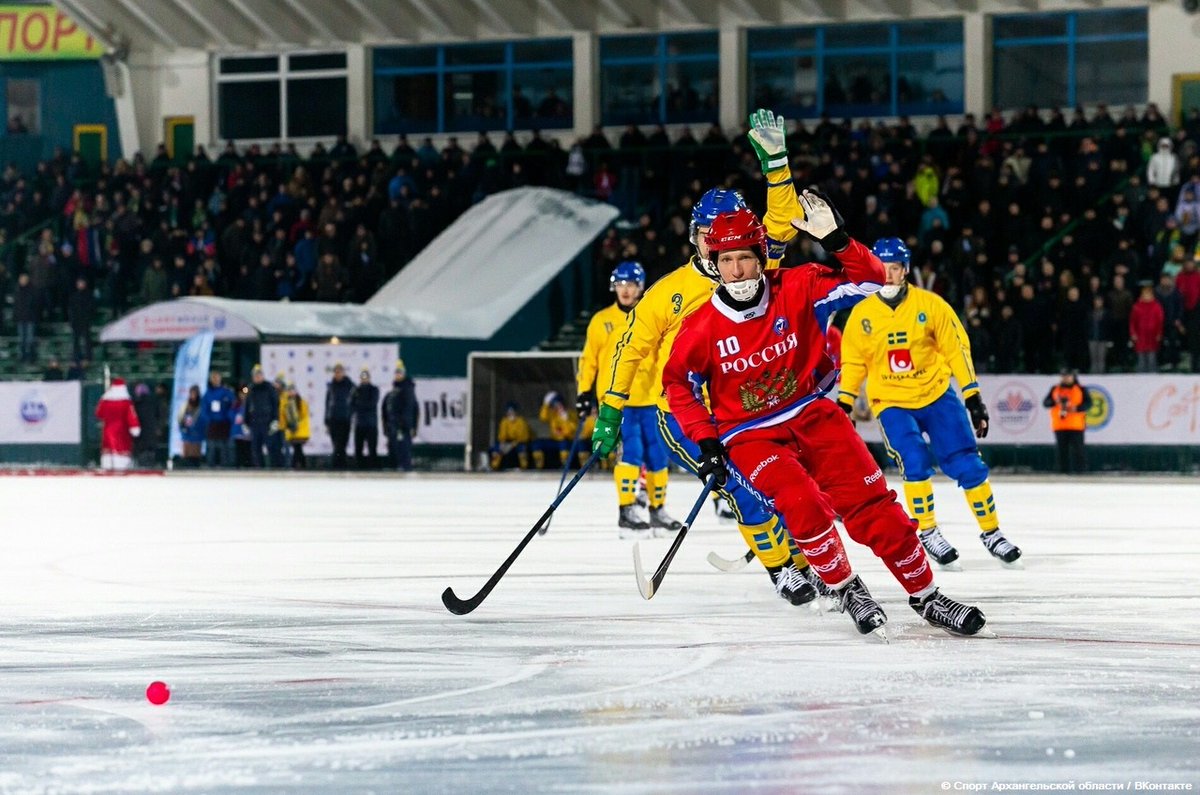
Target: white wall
(171, 84)
(1174, 49)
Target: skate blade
(880, 634)
(824, 604)
(985, 634)
(953, 565)
(1017, 564)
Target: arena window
(1075, 58)
(876, 69)
(465, 87)
(668, 78)
(308, 91)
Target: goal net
(495, 379)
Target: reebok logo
(869, 479)
(762, 465)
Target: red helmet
(738, 229)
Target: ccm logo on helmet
(757, 359)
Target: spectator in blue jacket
(217, 417)
(337, 414)
(191, 428)
(364, 402)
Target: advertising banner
(43, 33)
(40, 412)
(191, 369)
(1161, 409)
(443, 404)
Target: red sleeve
(684, 378)
(133, 418)
(860, 265)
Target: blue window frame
(478, 86)
(1073, 58)
(666, 78)
(876, 69)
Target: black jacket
(337, 400)
(364, 402)
(400, 411)
(262, 406)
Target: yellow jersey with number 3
(907, 354)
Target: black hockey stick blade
(566, 468)
(648, 586)
(460, 607)
(737, 564)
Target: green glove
(607, 431)
(767, 137)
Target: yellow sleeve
(854, 360)
(589, 360)
(647, 327)
(782, 207)
(954, 346)
(283, 413)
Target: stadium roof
(143, 25)
(466, 284)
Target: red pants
(814, 467)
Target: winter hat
(400, 368)
(118, 382)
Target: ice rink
(298, 623)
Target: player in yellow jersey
(562, 425)
(906, 343)
(639, 435)
(653, 325)
(512, 436)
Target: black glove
(979, 415)
(849, 409)
(584, 404)
(712, 461)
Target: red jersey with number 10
(764, 364)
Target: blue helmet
(712, 204)
(627, 271)
(892, 249)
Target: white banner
(310, 368)
(443, 405)
(191, 369)
(1126, 409)
(40, 412)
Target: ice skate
(945, 613)
(724, 514)
(938, 548)
(663, 523)
(791, 585)
(829, 599)
(630, 523)
(1001, 548)
(868, 616)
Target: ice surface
(298, 623)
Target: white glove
(135, 432)
(549, 398)
(274, 426)
(819, 220)
(767, 136)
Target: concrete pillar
(359, 113)
(731, 48)
(585, 48)
(977, 63)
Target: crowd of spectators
(978, 202)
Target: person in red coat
(759, 347)
(1146, 328)
(115, 411)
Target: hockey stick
(737, 564)
(566, 468)
(460, 607)
(649, 585)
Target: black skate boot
(723, 513)
(855, 599)
(631, 523)
(814, 579)
(663, 523)
(945, 613)
(1001, 548)
(791, 585)
(938, 548)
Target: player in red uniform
(759, 346)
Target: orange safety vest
(1072, 420)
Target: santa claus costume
(115, 412)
